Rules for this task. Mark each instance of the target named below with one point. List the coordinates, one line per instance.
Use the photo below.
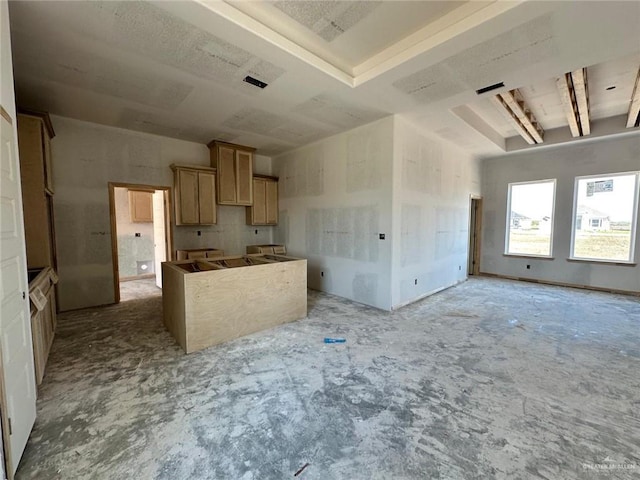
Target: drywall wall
(432, 186)
(335, 202)
(87, 156)
(135, 240)
(564, 163)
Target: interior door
(15, 327)
(159, 235)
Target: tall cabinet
(264, 210)
(34, 144)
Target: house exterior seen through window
(530, 210)
(605, 213)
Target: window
(604, 217)
(530, 218)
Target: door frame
(475, 230)
(168, 221)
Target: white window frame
(508, 222)
(634, 218)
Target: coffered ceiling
(177, 68)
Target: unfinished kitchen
(319, 240)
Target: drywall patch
(97, 74)
(484, 63)
(364, 159)
(365, 288)
(150, 31)
(343, 232)
(302, 176)
(281, 231)
(411, 235)
(337, 112)
(328, 19)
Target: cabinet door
(259, 209)
(187, 205)
(207, 198)
(244, 177)
(141, 206)
(226, 175)
(48, 168)
(271, 195)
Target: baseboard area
(138, 277)
(561, 284)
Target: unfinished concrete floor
(490, 379)
(141, 288)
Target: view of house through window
(604, 212)
(530, 218)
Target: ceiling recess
(495, 86)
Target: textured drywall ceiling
(176, 68)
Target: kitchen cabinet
(270, 248)
(264, 210)
(193, 253)
(195, 193)
(34, 144)
(234, 168)
(209, 301)
(43, 318)
(141, 206)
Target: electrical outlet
(528, 267)
(415, 282)
(138, 235)
(322, 274)
(256, 231)
(382, 236)
(459, 267)
(199, 233)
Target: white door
(15, 326)
(159, 238)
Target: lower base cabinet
(43, 318)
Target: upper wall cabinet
(234, 165)
(34, 136)
(141, 206)
(264, 210)
(195, 190)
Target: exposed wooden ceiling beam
(568, 102)
(513, 106)
(634, 107)
(574, 93)
(581, 89)
(509, 115)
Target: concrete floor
(141, 288)
(490, 379)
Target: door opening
(140, 239)
(475, 229)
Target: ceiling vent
(489, 88)
(254, 81)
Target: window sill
(604, 262)
(537, 257)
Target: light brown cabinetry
(193, 253)
(34, 136)
(43, 318)
(264, 210)
(195, 190)
(234, 166)
(141, 206)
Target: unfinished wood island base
(207, 302)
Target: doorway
(141, 238)
(475, 229)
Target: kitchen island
(210, 301)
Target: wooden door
(271, 195)
(244, 177)
(475, 229)
(226, 171)
(259, 209)
(207, 198)
(19, 404)
(187, 208)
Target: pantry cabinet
(234, 168)
(195, 194)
